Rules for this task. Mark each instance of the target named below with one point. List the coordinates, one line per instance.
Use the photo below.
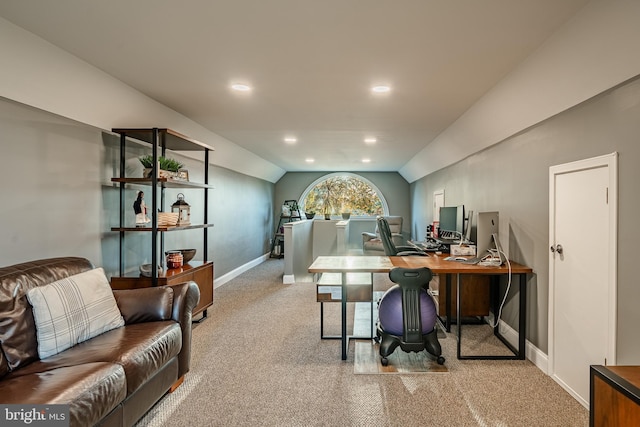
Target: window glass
(343, 192)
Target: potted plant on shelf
(310, 214)
(167, 168)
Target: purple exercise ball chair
(390, 311)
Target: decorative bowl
(187, 254)
(145, 270)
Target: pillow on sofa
(72, 310)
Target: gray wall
(58, 199)
(512, 178)
(392, 185)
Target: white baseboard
(288, 279)
(238, 271)
(532, 353)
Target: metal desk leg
(344, 316)
(447, 301)
(520, 352)
(522, 333)
(321, 320)
(371, 316)
(458, 312)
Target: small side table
(615, 396)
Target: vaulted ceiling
(310, 65)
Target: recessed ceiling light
(309, 160)
(241, 87)
(290, 139)
(381, 89)
(366, 160)
(370, 140)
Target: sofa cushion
(72, 310)
(141, 349)
(91, 390)
(17, 330)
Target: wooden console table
(615, 396)
(199, 272)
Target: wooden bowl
(187, 254)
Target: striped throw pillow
(73, 310)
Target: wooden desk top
(383, 264)
(438, 264)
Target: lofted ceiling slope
(310, 65)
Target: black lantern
(183, 209)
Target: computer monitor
(452, 221)
(486, 226)
(467, 228)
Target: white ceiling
(311, 64)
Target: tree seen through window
(343, 193)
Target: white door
(438, 202)
(582, 270)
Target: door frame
(611, 162)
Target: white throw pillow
(73, 310)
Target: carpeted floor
(259, 361)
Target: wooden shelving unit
(161, 140)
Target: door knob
(556, 248)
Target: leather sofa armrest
(175, 302)
(185, 298)
(145, 304)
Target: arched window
(343, 192)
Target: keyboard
(427, 245)
(473, 260)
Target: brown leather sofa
(112, 379)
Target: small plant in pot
(310, 214)
(168, 168)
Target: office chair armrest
(410, 251)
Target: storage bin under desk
(359, 287)
(200, 273)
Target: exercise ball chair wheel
(440, 360)
(384, 361)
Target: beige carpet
(259, 361)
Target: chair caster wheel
(440, 360)
(384, 361)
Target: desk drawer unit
(475, 294)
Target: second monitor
(451, 222)
(486, 226)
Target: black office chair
(390, 249)
(407, 315)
